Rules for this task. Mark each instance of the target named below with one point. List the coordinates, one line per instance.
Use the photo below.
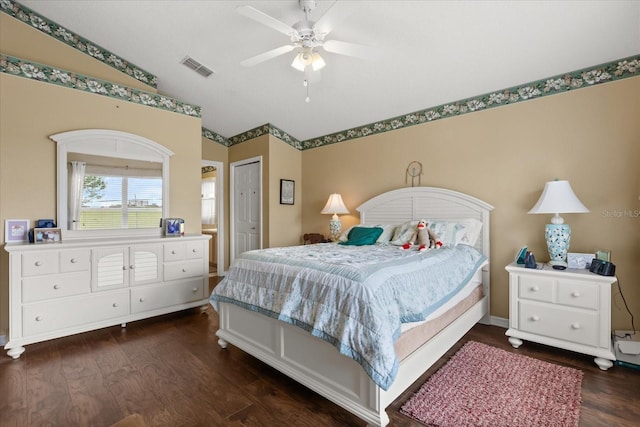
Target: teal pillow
(359, 236)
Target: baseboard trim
(499, 321)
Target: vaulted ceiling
(428, 53)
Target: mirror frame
(109, 143)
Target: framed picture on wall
(287, 191)
(16, 230)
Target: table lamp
(558, 197)
(335, 206)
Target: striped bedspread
(354, 297)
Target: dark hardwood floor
(171, 370)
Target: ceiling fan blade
(250, 62)
(263, 18)
(338, 11)
(350, 49)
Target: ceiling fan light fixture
(317, 63)
(298, 62)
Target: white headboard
(414, 203)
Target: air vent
(196, 66)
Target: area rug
(485, 386)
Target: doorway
(212, 206)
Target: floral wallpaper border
(32, 70)
(616, 70)
(587, 77)
(67, 37)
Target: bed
(349, 381)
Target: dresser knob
(194, 250)
(115, 304)
(38, 318)
(141, 299)
(575, 294)
(124, 267)
(194, 290)
(535, 318)
(184, 270)
(173, 252)
(56, 286)
(535, 289)
(73, 260)
(132, 267)
(38, 263)
(575, 325)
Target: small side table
(569, 309)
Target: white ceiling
(431, 53)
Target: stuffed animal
(423, 237)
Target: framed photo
(47, 235)
(173, 227)
(287, 191)
(16, 230)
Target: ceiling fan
(308, 36)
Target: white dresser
(569, 309)
(60, 289)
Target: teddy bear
(423, 237)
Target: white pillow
(454, 232)
(449, 232)
(387, 232)
(403, 232)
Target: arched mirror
(111, 183)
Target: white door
(246, 207)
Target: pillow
(471, 232)
(387, 232)
(359, 236)
(455, 232)
(403, 232)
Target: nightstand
(569, 309)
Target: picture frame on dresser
(16, 230)
(47, 235)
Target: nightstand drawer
(535, 288)
(578, 294)
(573, 325)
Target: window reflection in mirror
(116, 193)
(111, 184)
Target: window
(208, 201)
(120, 198)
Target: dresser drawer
(575, 325)
(64, 313)
(535, 288)
(183, 270)
(153, 297)
(174, 251)
(194, 249)
(578, 294)
(38, 263)
(55, 286)
(75, 260)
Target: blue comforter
(354, 297)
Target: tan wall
(285, 221)
(504, 156)
(23, 41)
(32, 111)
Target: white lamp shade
(335, 205)
(558, 197)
